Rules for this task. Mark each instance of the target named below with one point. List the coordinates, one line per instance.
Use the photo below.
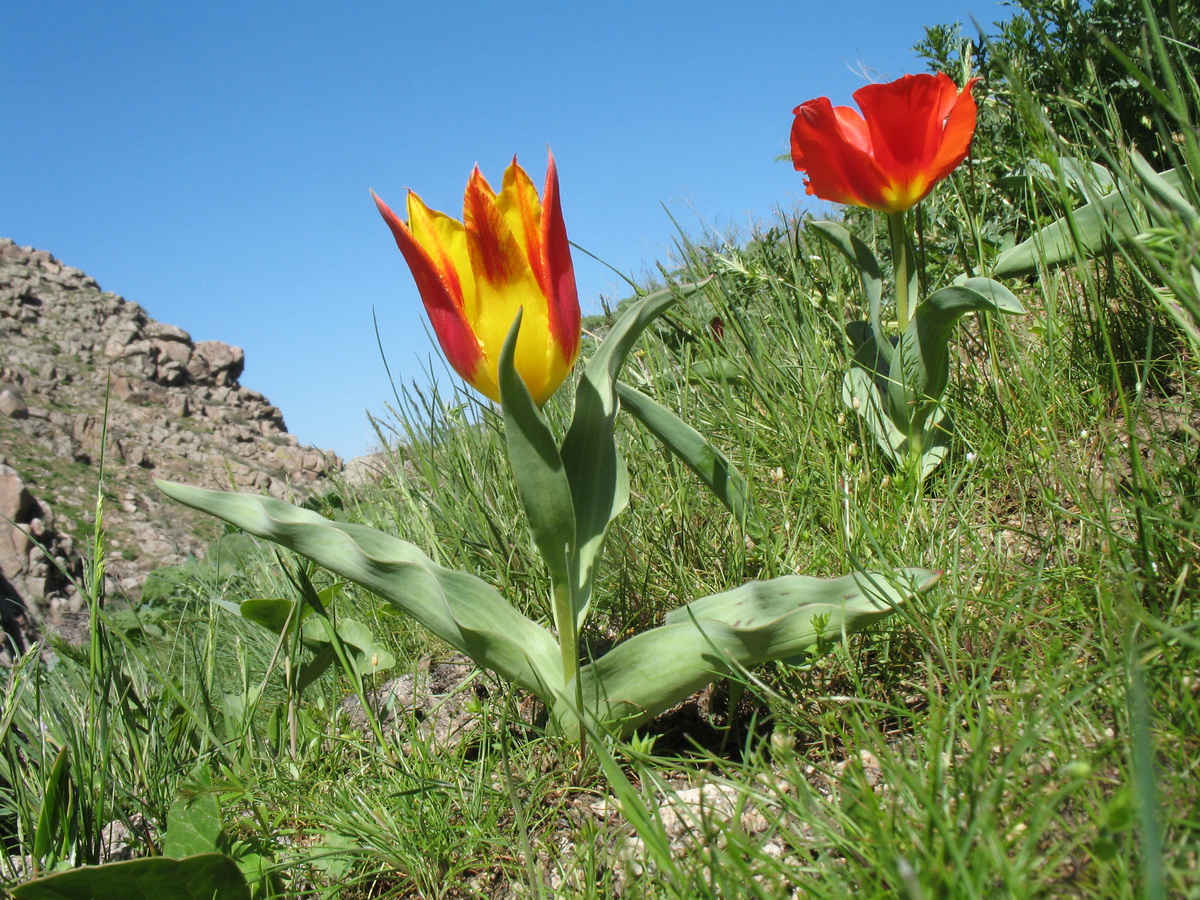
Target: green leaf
(862, 395)
(860, 256)
(537, 469)
(900, 401)
(715, 370)
(461, 609)
(369, 656)
(309, 671)
(1078, 176)
(211, 876)
(595, 470)
(1106, 221)
(697, 453)
(780, 619)
(193, 826)
(1163, 188)
(274, 613)
(924, 352)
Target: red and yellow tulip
(912, 133)
(509, 252)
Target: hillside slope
(80, 366)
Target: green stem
(568, 635)
(565, 623)
(903, 264)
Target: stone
(164, 332)
(13, 405)
(216, 362)
(432, 705)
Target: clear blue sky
(211, 161)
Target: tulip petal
(561, 289)
(827, 143)
(902, 118)
(909, 140)
(438, 280)
(956, 139)
(504, 283)
(520, 207)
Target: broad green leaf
(369, 655)
(781, 619)
(697, 453)
(862, 395)
(924, 353)
(714, 370)
(273, 613)
(860, 256)
(596, 472)
(1164, 188)
(211, 876)
(1106, 221)
(310, 670)
(461, 609)
(193, 826)
(537, 469)
(1078, 176)
(931, 458)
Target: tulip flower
(509, 253)
(912, 133)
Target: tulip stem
(903, 264)
(566, 623)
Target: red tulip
(912, 133)
(510, 252)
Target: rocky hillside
(70, 351)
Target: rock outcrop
(88, 377)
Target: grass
(1027, 730)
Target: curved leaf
(272, 613)
(461, 609)
(537, 468)
(369, 655)
(696, 452)
(595, 470)
(1083, 233)
(780, 619)
(924, 353)
(861, 393)
(860, 256)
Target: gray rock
(12, 405)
